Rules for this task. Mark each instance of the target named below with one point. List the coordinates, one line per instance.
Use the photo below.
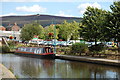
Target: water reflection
(26, 67)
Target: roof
(2, 28)
(15, 27)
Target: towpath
(5, 73)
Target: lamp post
(54, 36)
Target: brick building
(14, 27)
(2, 28)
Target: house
(11, 30)
(14, 27)
(2, 28)
(8, 28)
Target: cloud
(61, 13)
(10, 14)
(82, 7)
(13, 14)
(34, 8)
(58, 0)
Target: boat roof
(35, 47)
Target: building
(7, 34)
(2, 28)
(14, 27)
(10, 30)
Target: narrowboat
(39, 52)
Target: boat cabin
(36, 50)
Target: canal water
(25, 67)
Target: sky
(67, 8)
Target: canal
(25, 67)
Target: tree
(50, 30)
(42, 31)
(114, 25)
(93, 23)
(107, 30)
(75, 30)
(29, 30)
(65, 30)
(68, 31)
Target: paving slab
(5, 73)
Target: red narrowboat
(39, 52)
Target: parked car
(66, 43)
(110, 44)
(41, 42)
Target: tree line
(97, 25)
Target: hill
(44, 20)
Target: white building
(15, 34)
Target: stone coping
(90, 60)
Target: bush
(12, 43)
(63, 50)
(19, 45)
(5, 49)
(97, 48)
(0, 49)
(79, 48)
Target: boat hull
(49, 56)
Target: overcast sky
(68, 8)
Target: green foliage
(98, 24)
(68, 30)
(79, 48)
(51, 29)
(11, 43)
(29, 30)
(114, 21)
(19, 45)
(93, 22)
(97, 47)
(17, 76)
(75, 30)
(64, 30)
(63, 50)
(5, 49)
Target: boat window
(38, 51)
(28, 49)
(31, 50)
(41, 50)
(21, 49)
(24, 49)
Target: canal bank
(90, 60)
(5, 73)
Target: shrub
(63, 50)
(19, 45)
(11, 43)
(0, 49)
(79, 48)
(97, 47)
(5, 49)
